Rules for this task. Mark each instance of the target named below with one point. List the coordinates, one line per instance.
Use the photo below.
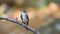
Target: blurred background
(44, 16)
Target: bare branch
(21, 24)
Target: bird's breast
(24, 16)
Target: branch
(20, 23)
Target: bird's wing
(21, 17)
(27, 19)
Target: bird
(24, 17)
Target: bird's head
(24, 11)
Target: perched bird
(24, 17)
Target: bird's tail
(27, 25)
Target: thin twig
(21, 24)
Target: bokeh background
(44, 16)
